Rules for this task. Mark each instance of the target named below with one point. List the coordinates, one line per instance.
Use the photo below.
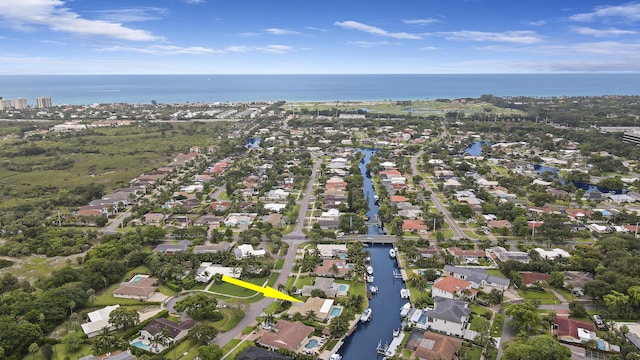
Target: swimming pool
(335, 311)
(137, 278)
(342, 287)
(342, 256)
(312, 343)
(141, 345)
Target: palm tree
(33, 349)
(161, 338)
(104, 340)
(310, 315)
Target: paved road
(294, 239)
(453, 224)
(112, 227)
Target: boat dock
(395, 343)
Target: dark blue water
(253, 142)
(386, 304)
(89, 89)
(475, 148)
(540, 169)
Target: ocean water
(89, 89)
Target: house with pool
(323, 308)
(286, 335)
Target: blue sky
(322, 37)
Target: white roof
(326, 306)
(99, 319)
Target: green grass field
(498, 323)
(545, 298)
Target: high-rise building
(43, 102)
(19, 103)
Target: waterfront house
(332, 268)
(435, 346)
(478, 277)
(448, 316)
(285, 335)
(452, 287)
(326, 285)
(256, 353)
(321, 307)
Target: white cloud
(601, 32)
(277, 31)
(354, 25)
(198, 50)
(428, 48)
(131, 15)
(26, 14)
(629, 12)
(419, 21)
(195, 1)
(370, 44)
(536, 23)
(316, 29)
(516, 37)
(163, 50)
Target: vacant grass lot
(108, 156)
(545, 298)
(498, 323)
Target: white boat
(396, 332)
(373, 289)
(335, 356)
(404, 293)
(392, 253)
(369, 278)
(366, 315)
(404, 310)
(369, 270)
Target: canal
(387, 303)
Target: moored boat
(404, 310)
(404, 293)
(373, 289)
(369, 278)
(335, 356)
(392, 253)
(366, 315)
(369, 270)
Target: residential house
(285, 335)
(411, 225)
(208, 220)
(501, 254)
(320, 306)
(451, 287)
(181, 246)
(142, 289)
(573, 330)
(212, 248)
(207, 270)
(154, 219)
(330, 251)
(448, 316)
(435, 346)
(220, 206)
(499, 224)
(174, 331)
(532, 278)
(256, 353)
(327, 285)
(478, 277)
(328, 269)
(467, 256)
(246, 250)
(98, 320)
(240, 219)
(273, 219)
(277, 194)
(552, 254)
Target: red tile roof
(452, 284)
(529, 278)
(409, 225)
(569, 327)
